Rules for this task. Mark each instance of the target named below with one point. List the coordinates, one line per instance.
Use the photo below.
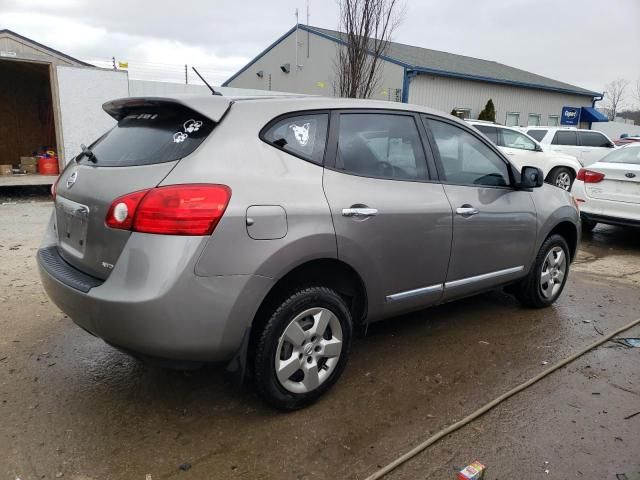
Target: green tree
(489, 112)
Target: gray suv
(264, 232)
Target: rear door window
(490, 132)
(565, 138)
(537, 134)
(593, 139)
(302, 135)
(149, 136)
(380, 145)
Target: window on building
(381, 146)
(302, 135)
(463, 113)
(513, 119)
(593, 139)
(565, 137)
(465, 159)
(533, 120)
(554, 120)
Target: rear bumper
(153, 303)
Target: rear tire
(303, 348)
(588, 226)
(562, 177)
(548, 275)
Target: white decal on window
(301, 132)
(192, 125)
(179, 137)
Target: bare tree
(368, 26)
(614, 97)
(637, 93)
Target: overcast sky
(583, 42)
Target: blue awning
(590, 114)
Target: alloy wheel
(563, 180)
(553, 271)
(308, 350)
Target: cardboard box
(29, 168)
(6, 169)
(28, 161)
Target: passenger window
(565, 138)
(465, 159)
(593, 139)
(513, 139)
(490, 132)
(537, 134)
(380, 145)
(302, 135)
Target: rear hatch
(621, 181)
(152, 135)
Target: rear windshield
(151, 135)
(624, 155)
(537, 134)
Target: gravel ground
(73, 407)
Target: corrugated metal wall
(316, 76)
(444, 94)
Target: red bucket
(48, 166)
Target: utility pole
(186, 75)
(307, 29)
(113, 60)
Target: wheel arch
(327, 272)
(568, 231)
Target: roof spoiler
(213, 107)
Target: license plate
(72, 221)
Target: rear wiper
(86, 152)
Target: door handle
(359, 212)
(467, 211)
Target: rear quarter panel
(258, 174)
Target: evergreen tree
(489, 112)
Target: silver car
(264, 232)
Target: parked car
(588, 146)
(559, 169)
(262, 232)
(609, 190)
(626, 138)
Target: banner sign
(570, 116)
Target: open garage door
(27, 121)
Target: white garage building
(303, 59)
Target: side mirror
(538, 148)
(531, 177)
(611, 145)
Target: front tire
(303, 348)
(547, 277)
(562, 177)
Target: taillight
(172, 210)
(589, 176)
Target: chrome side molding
(484, 276)
(413, 293)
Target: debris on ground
(631, 416)
(474, 471)
(600, 332)
(185, 466)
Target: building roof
(434, 62)
(46, 49)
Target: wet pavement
(72, 407)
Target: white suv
(559, 169)
(588, 146)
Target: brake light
(589, 176)
(172, 210)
